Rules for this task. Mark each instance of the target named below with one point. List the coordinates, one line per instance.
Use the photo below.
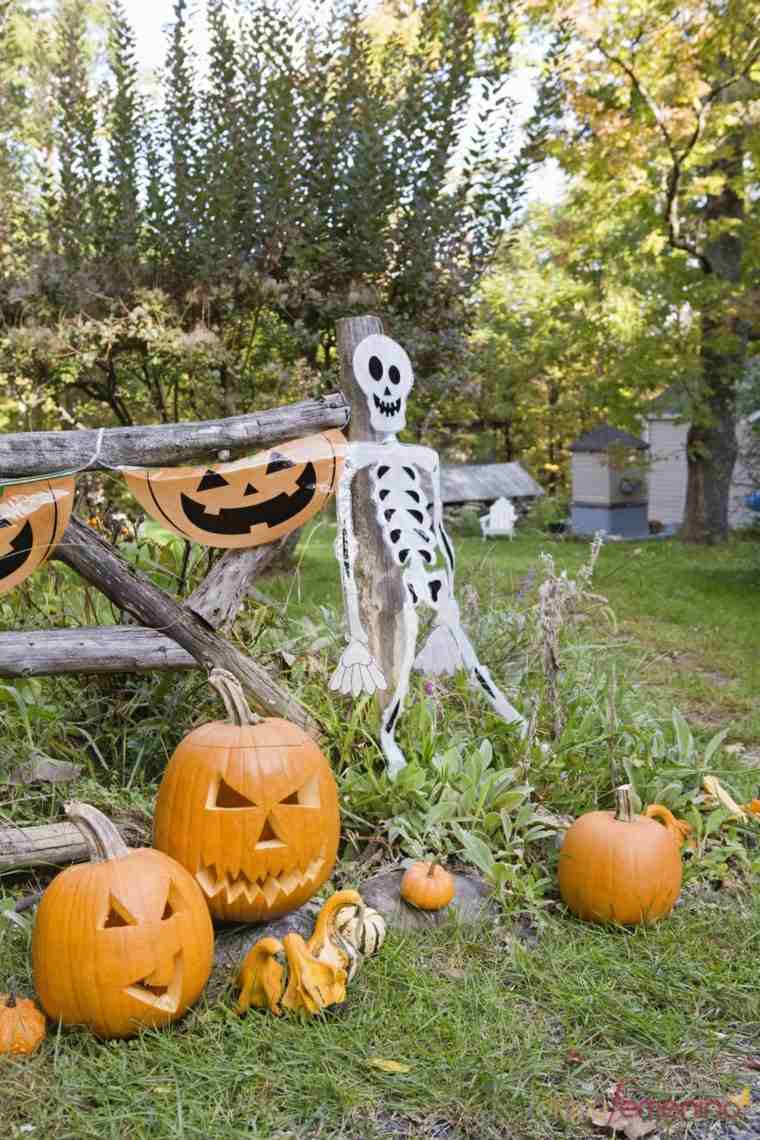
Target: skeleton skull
(384, 373)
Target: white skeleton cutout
(412, 529)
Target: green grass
(503, 1037)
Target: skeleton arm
(357, 670)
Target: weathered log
(130, 648)
(41, 453)
(89, 649)
(97, 561)
(54, 844)
(378, 578)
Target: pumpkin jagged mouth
(267, 886)
(165, 998)
(240, 520)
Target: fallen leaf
(573, 1057)
(44, 770)
(742, 1099)
(752, 1063)
(633, 1127)
(753, 806)
(388, 1066)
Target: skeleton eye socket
(394, 374)
(376, 368)
(211, 480)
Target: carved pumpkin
(122, 942)
(22, 1025)
(250, 807)
(619, 867)
(250, 501)
(33, 516)
(428, 886)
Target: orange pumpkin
(250, 807)
(253, 500)
(122, 942)
(619, 867)
(428, 886)
(22, 1025)
(33, 516)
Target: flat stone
(471, 903)
(233, 940)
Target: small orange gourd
(428, 886)
(122, 942)
(619, 867)
(22, 1025)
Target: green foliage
(199, 242)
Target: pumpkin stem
(231, 691)
(431, 868)
(100, 835)
(623, 803)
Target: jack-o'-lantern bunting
(250, 808)
(123, 942)
(248, 502)
(33, 517)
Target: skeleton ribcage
(404, 514)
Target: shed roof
(601, 437)
(480, 482)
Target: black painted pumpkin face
(33, 516)
(248, 502)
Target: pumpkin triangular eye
(211, 480)
(168, 911)
(278, 462)
(118, 915)
(291, 799)
(250, 489)
(227, 797)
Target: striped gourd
(364, 927)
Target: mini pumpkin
(33, 517)
(22, 1025)
(247, 502)
(122, 942)
(618, 866)
(363, 926)
(250, 808)
(428, 886)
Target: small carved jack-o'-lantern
(250, 501)
(123, 942)
(250, 807)
(33, 516)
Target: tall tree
(663, 113)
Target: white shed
(666, 430)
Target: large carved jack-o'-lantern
(33, 516)
(250, 807)
(123, 942)
(250, 501)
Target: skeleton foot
(357, 671)
(394, 756)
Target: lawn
(515, 1029)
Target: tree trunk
(711, 443)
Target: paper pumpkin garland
(247, 502)
(33, 517)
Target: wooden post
(378, 578)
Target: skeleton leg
(449, 648)
(393, 754)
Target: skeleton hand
(441, 653)
(357, 671)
